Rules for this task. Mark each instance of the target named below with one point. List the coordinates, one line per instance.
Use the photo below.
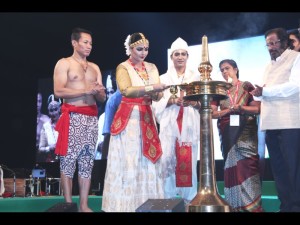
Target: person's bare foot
(86, 209)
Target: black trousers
(284, 151)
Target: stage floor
(42, 204)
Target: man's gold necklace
(84, 66)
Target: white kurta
(280, 108)
(169, 132)
(131, 178)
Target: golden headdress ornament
(134, 40)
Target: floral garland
(126, 44)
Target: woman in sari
(238, 137)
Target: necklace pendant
(141, 72)
(144, 75)
(84, 64)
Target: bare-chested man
(79, 83)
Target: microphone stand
(14, 194)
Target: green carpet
(41, 204)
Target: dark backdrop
(32, 42)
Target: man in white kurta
(280, 117)
(185, 133)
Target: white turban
(179, 43)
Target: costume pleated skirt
(131, 178)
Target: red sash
(184, 158)
(62, 125)
(151, 144)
